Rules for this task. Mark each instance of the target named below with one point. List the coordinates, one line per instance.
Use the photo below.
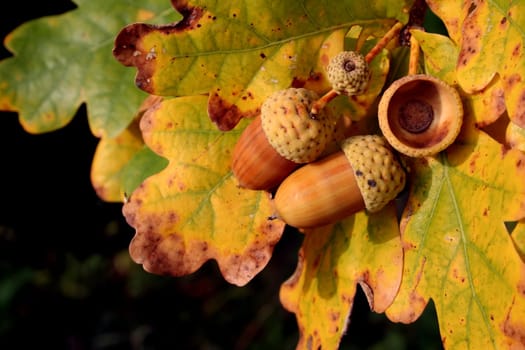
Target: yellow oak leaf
(518, 236)
(333, 260)
(515, 136)
(441, 54)
(458, 252)
(240, 54)
(491, 40)
(193, 210)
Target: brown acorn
(420, 115)
(365, 174)
(283, 137)
(251, 156)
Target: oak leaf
(193, 210)
(362, 250)
(457, 249)
(62, 61)
(478, 28)
(276, 46)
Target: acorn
(420, 115)
(284, 136)
(348, 73)
(364, 175)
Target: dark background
(66, 280)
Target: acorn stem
(381, 44)
(323, 101)
(414, 56)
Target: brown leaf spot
(299, 82)
(472, 7)
(172, 217)
(190, 15)
(334, 317)
(512, 80)
(472, 163)
(408, 246)
(149, 249)
(125, 49)
(128, 49)
(224, 114)
(129, 52)
(471, 37)
(514, 329)
(516, 52)
(240, 269)
(497, 102)
(454, 24)
(519, 114)
(325, 59)
(174, 181)
(417, 303)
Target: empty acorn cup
(420, 115)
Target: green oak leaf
(62, 61)
(121, 163)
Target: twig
(381, 44)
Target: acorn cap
(378, 173)
(348, 72)
(420, 115)
(290, 128)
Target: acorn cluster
(284, 149)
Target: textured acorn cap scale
(420, 115)
(284, 136)
(293, 132)
(365, 174)
(378, 174)
(348, 72)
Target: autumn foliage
(191, 77)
